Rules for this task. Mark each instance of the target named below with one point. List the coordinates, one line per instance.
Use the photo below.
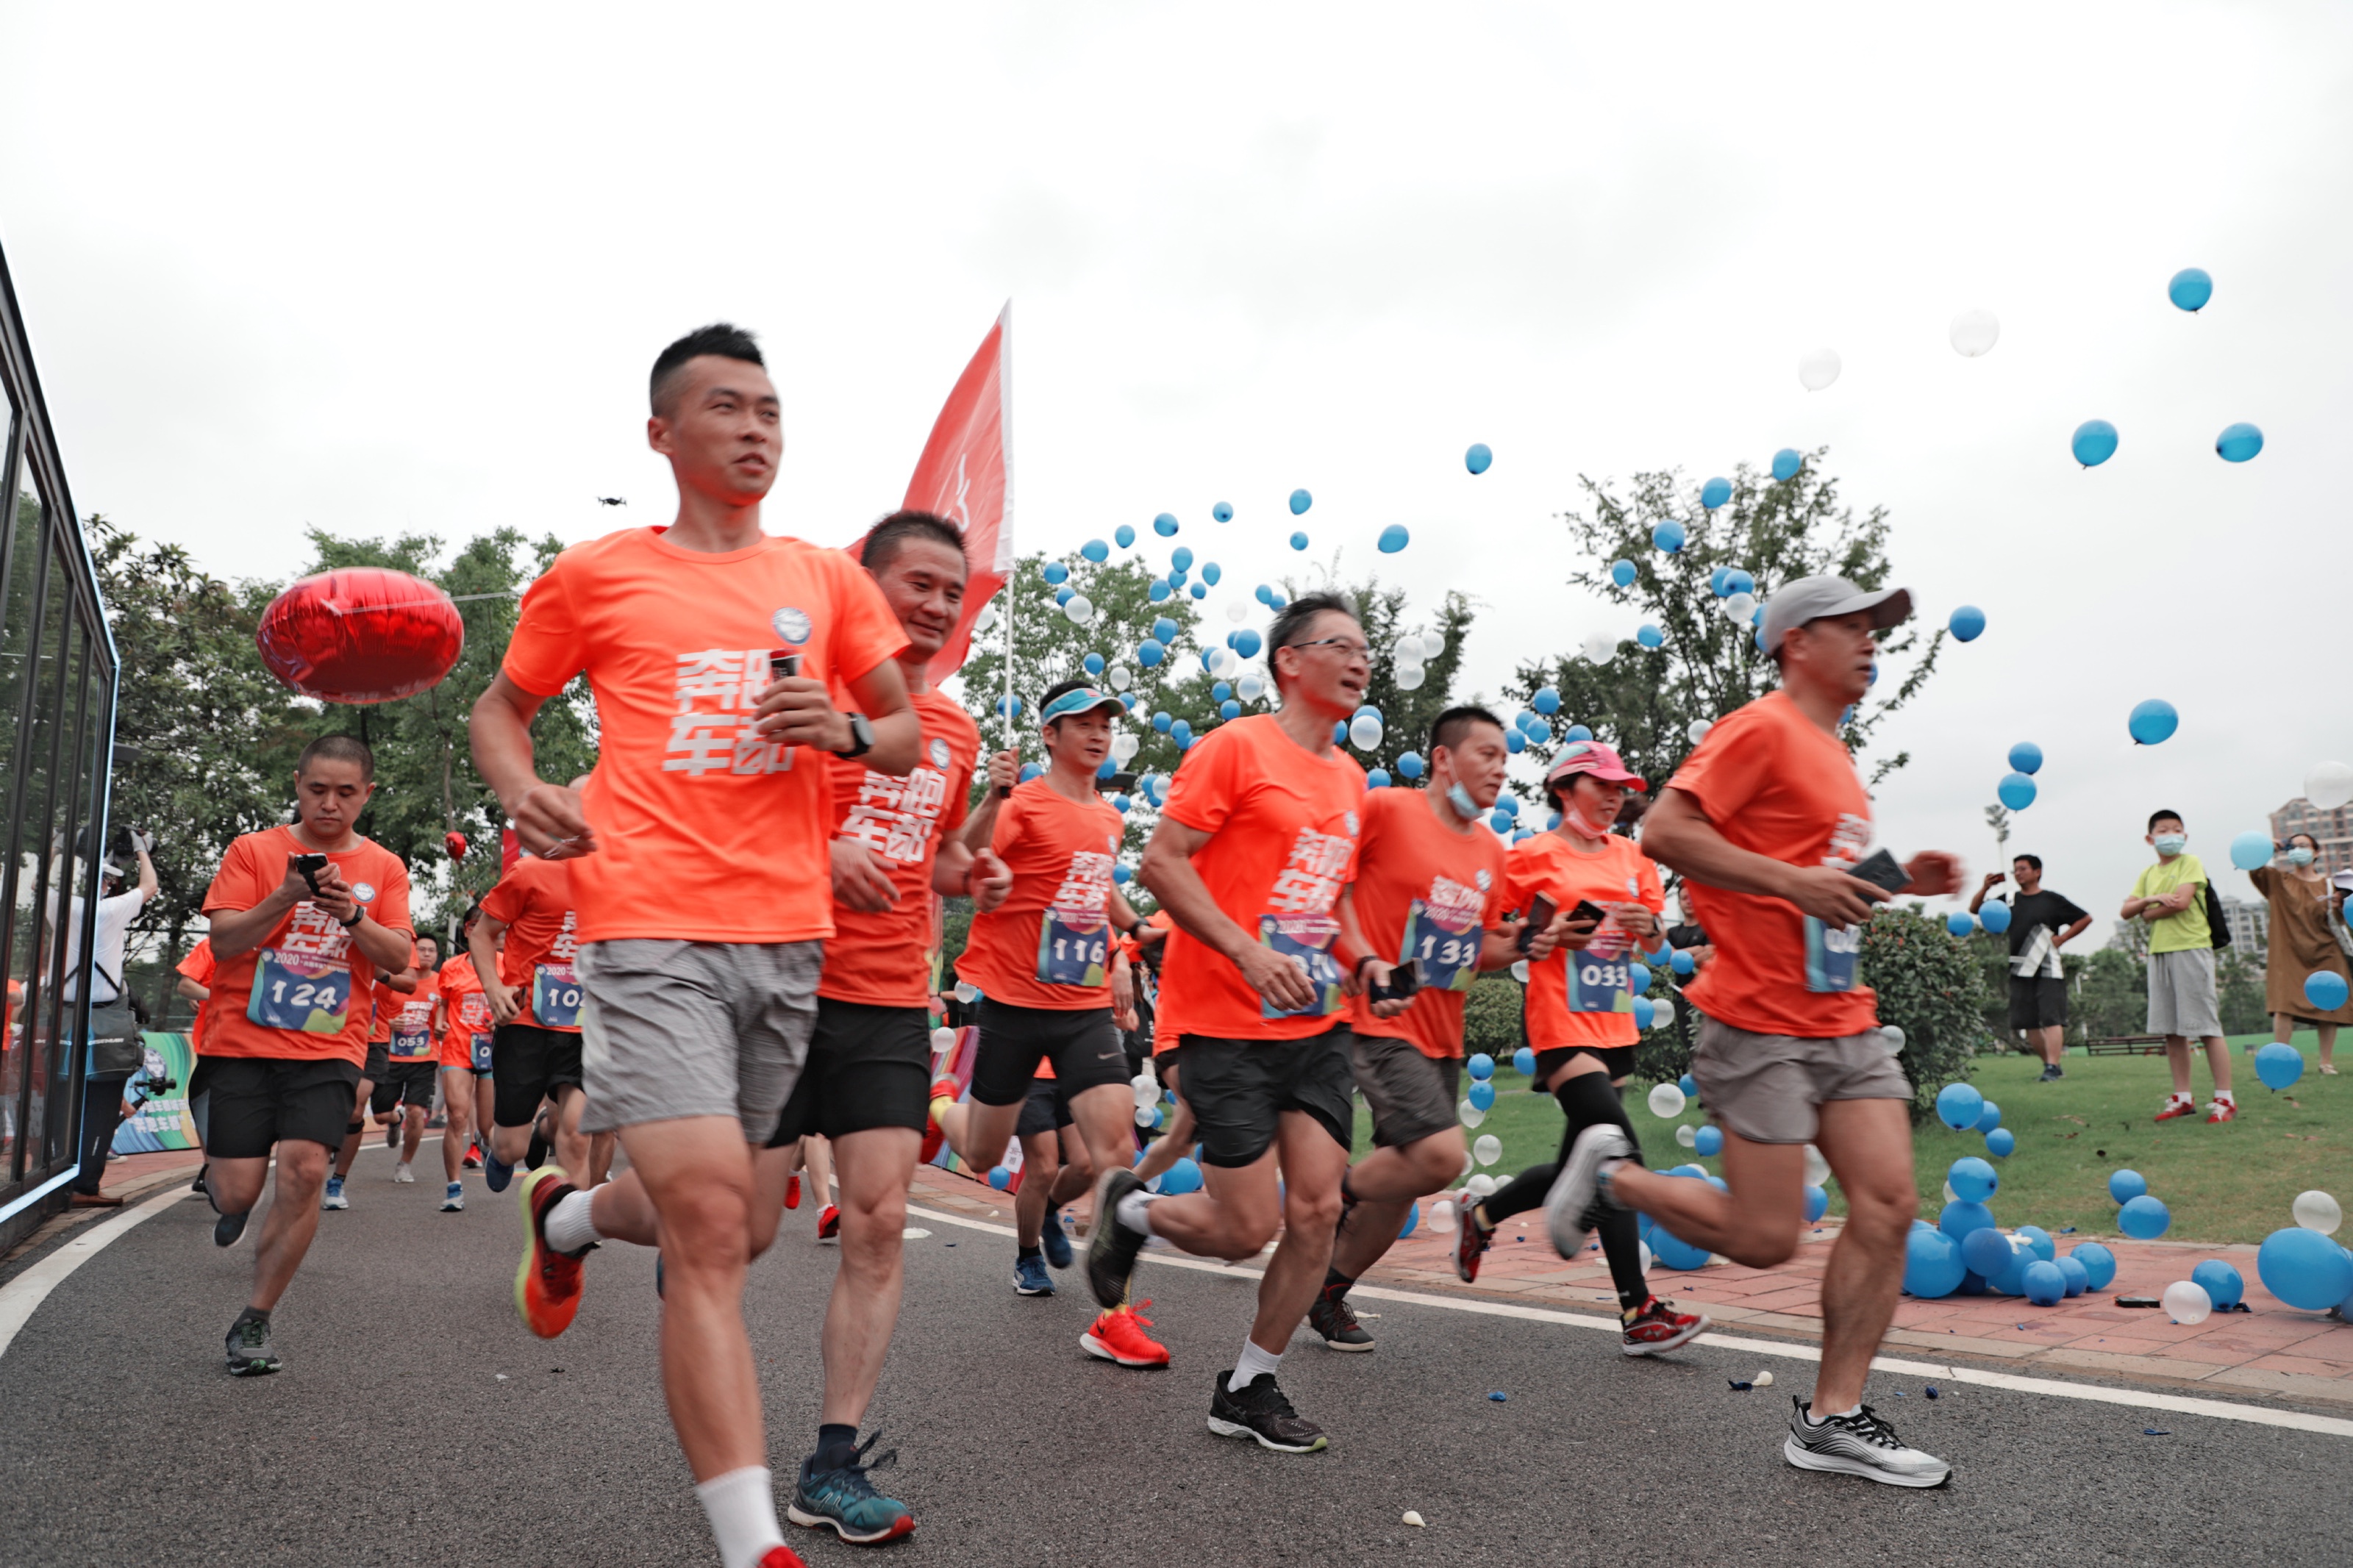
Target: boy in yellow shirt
(2171, 896)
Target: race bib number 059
(300, 991)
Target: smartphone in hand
(310, 866)
(1405, 979)
(1587, 910)
(1541, 909)
(1882, 871)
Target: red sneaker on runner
(2180, 1106)
(1657, 1328)
(793, 1191)
(781, 1557)
(829, 1223)
(1470, 1244)
(473, 1160)
(547, 1284)
(1119, 1336)
(942, 1088)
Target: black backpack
(2218, 924)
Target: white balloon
(1974, 332)
(1080, 608)
(1892, 1037)
(1409, 677)
(2318, 1211)
(1762, 1380)
(1441, 1217)
(1147, 1093)
(966, 992)
(1469, 1165)
(1123, 746)
(1645, 1249)
(2328, 785)
(1236, 611)
(1739, 607)
(1487, 1151)
(1819, 369)
(1143, 1116)
(1667, 1101)
(1122, 678)
(1818, 1169)
(1471, 1114)
(1224, 661)
(1697, 729)
(1600, 646)
(1687, 1135)
(1520, 971)
(986, 620)
(2186, 1301)
(1480, 1186)
(1433, 643)
(943, 1039)
(1951, 1196)
(1250, 687)
(1365, 733)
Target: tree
(1644, 700)
(2108, 993)
(1931, 986)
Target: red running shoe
(829, 1223)
(942, 1088)
(473, 1160)
(793, 1191)
(547, 1284)
(1659, 1328)
(781, 1557)
(1118, 1335)
(2222, 1111)
(2180, 1105)
(1470, 1242)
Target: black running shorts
(257, 1101)
(1239, 1090)
(405, 1082)
(1410, 1095)
(1082, 1043)
(1046, 1110)
(1616, 1061)
(2036, 1001)
(868, 1067)
(379, 1057)
(527, 1065)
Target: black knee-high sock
(1586, 1100)
(1621, 1244)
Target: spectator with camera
(116, 1051)
(2040, 923)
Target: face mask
(1459, 799)
(2171, 843)
(1581, 823)
(2299, 855)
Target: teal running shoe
(845, 1499)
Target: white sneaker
(1578, 1203)
(1858, 1445)
(401, 1173)
(454, 1202)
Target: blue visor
(1083, 700)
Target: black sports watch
(358, 915)
(861, 737)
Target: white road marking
(2139, 1399)
(21, 1295)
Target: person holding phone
(1424, 917)
(1580, 1013)
(1768, 822)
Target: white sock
(1253, 1362)
(2182, 1097)
(568, 1228)
(742, 1507)
(1134, 1211)
(2225, 1096)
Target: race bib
(1448, 948)
(1073, 947)
(300, 991)
(481, 1052)
(1831, 955)
(409, 1045)
(1600, 983)
(1307, 940)
(555, 996)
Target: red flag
(965, 474)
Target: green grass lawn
(2226, 1184)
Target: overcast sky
(382, 270)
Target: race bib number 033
(1600, 985)
(1306, 939)
(300, 991)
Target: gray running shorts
(670, 1029)
(2181, 996)
(1768, 1088)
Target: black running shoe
(198, 1184)
(1111, 1246)
(536, 1155)
(228, 1228)
(249, 1354)
(1859, 1445)
(1578, 1202)
(1261, 1411)
(1332, 1318)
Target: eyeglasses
(1345, 645)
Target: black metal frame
(82, 725)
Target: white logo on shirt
(1352, 825)
(896, 818)
(364, 891)
(1485, 880)
(792, 624)
(717, 690)
(939, 754)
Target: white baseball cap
(1814, 598)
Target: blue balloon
(1478, 457)
(1650, 636)
(1621, 573)
(1054, 571)
(1263, 594)
(1124, 535)
(1393, 539)
(1716, 581)
(2026, 757)
(1668, 536)
(1640, 973)
(1122, 875)
(2305, 1269)
(1165, 525)
(1184, 1176)
(1163, 720)
(1645, 1010)
(2250, 849)
(2079, 1279)
(1030, 771)
(1159, 589)
(1000, 1177)
(1107, 769)
(2095, 442)
(2325, 989)
(1932, 1264)
(2037, 1238)
(1229, 709)
(2190, 288)
(1986, 1252)
(1180, 730)
(2239, 442)
(1972, 1180)
(1376, 779)
(2223, 1284)
(2002, 1142)
(2045, 1286)
(1164, 630)
(1523, 1062)
(2126, 1186)
(1149, 653)
(1817, 1204)
(1961, 922)
(2015, 791)
(1546, 700)
(1967, 622)
(1578, 733)
(1689, 1085)
(1210, 573)
(1785, 464)
(1958, 1105)
(1688, 1170)
(1480, 1065)
(1995, 918)
(1064, 594)
(1008, 704)
(1222, 690)
(1708, 1141)
(2281, 1065)
(1671, 1251)
(1683, 963)
(1410, 764)
(1481, 1096)
(1223, 511)
(1181, 558)
(1247, 643)
(2153, 722)
(1737, 580)
(2145, 1218)
(1715, 492)
(2012, 1280)
(1339, 731)
(1095, 550)
(1299, 541)
(1516, 741)
(1300, 502)
(2097, 1261)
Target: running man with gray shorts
(700, 863)
(1767, 821)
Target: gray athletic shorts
(2181, 998)
(1768, 1088)
(1411, 1096)
(669, 1029)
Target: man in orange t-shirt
(468, 1091)
(415, 1065)
(700, 850)
(1257, 840)
(1768, 823)
(386, 993)
(528, 935)
(196, 981)
(302, 917)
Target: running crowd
(715, 952)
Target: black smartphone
(1405, 979)
(1587, 910)
(310, 866)
(1882, 871)
(783, 664)
(1541, 908)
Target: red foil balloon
(366, 634)
(455, 843)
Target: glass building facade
(56, 721)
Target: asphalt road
(417, 1423)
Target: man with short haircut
(302, 917)
(2182, 1002)
(415, 1058)
(2040, 923)
(524, 945)
(1256, 842)
(1766, 820)
(700, 861)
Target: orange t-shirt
(200, 967)
(880, 959)
(305, 967)
(1773, 782)
(1060, 852)
(1601, 1013)
(1425, 888)
(466, 1011)
(1285, 823)
(383, 1003)
(412, 1021)
(534, 902)
(705, 832)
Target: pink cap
(1592, 757)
